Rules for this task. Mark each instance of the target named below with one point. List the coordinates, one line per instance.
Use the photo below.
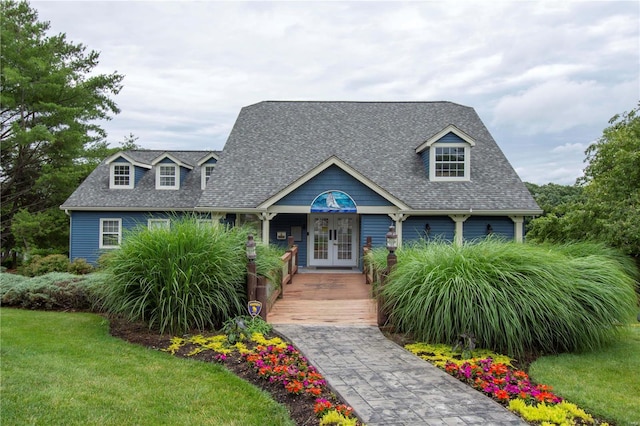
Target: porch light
(251, 248)
(392, 239)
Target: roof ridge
(358, 102)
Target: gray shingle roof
(94, 192)
(274, 143)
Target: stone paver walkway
(387, 385)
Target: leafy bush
(103, 261)
(52, 291)
(242, 327)
(80, 266)
(38, 265)
(512, 297)
(188, 276)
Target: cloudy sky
(545, 77)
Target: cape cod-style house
(329, 174)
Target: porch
(331, 297)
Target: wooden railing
(289, 269)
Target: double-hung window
(110, 233)
(447, 155)
(449, 162)
(206, 174)
(121, 176)
(158, 224)
(167, 176)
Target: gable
(336, 179)
(341, 165)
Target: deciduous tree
(609, 208)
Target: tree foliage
(553, 198)
(50, 101)
(609, 208)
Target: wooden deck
(325, 298)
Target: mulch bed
(300, 406)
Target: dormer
(206, 164)
(124, 171)
(169, 171)
(447, 155)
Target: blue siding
(184, 172)
(376, 227)
(209, 162)
(425, 159)
(476, 227)
(451, 138)
(441, 228)
(85, 230)
(138, 174)
(333, 178)
(284, 222)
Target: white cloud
(546, 76)
(571, 147)
(560, 105)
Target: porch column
(265, 217)
(398, 218)
(459, 220)
(518, 222)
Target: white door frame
(340, 247)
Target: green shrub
(38, 265)
(52, 291)
(80, 266)
(512, 297)
(188, 276)
(103, 261)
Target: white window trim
(432, 162)
(112, 176)
(204, 174)
(177, 176)
(102, 233)
(155, 223)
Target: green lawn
(605, 383)
(65, 368)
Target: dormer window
(124, 170)
(447, 155)
(449, 161)
(121, 176)
(169, 171)
(167, 177)
(206, 174)
(207, 163)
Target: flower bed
(494, 375)
(276, 363)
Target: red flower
(502, 394)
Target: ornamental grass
(513, 298)
(186, 277)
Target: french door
(333, 239)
